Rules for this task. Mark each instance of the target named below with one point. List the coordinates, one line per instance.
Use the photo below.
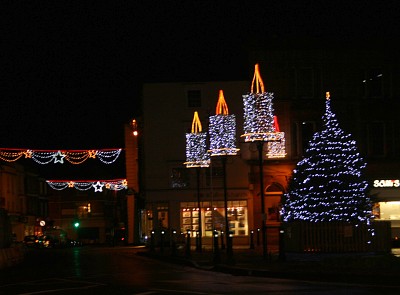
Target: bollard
(188, 243)
(152, 241)
(258, 237)
(198, 245)
(217, 257)
(282, 254)
(173, 243)
(252, 239)
(162, 241)
(222, 240)
(229, 248)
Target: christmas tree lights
(107, 156)
(196, 146)
(259, 121)
(222, 130)
(328, 184)
(85, 185)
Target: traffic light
(76, 224)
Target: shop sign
(387, 183)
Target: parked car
(47, 241)
(31, 241)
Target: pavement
(355, 268)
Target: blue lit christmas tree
(328, 183)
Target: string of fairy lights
(75, 157)
(43, 157)
(85, 185)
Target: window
(302, 133)
(305, 82)
(194, 98)
(162, 216)
(371, 83)
(376, 139)
(179, 178)
(213, 217)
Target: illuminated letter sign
(387, 183)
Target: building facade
(173, 192)
(364, 92)
(24, 198)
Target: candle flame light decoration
(85, 185)
(259, 122)
(196, 146)
(107, 156)
(222, 130)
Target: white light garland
(107, 156)
(85, 185)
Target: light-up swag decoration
(222, 130)
(85, 185)
(328, 184)
(196, 146)
(260, 124)
(107, 156)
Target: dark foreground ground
(376, 268)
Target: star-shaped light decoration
(28, 154)
(92, 153)
(108, 185)
(59, 157)
(98, 187)
(71, 184)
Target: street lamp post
(260, 146)
(199, 233)
(197, 156)
(260, 126)
(222, 131)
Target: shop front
(209, 218)
(386, 206)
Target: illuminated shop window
(213, 217)
(388, 211)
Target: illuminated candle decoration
(260, 124)
(196, 145)
(107, 156)
(222, 130)
(85, 185)
(328, 184)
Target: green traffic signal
(76, 224)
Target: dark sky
(71, 71)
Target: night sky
(71, 71)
